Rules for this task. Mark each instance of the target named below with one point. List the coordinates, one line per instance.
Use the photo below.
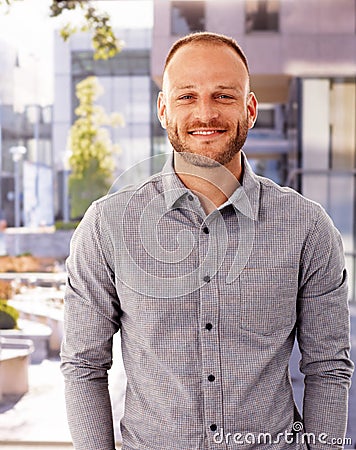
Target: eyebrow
(182, 88)
(222, 87)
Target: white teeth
(204, 133)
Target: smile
(205, 132)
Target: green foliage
(5, 6)
(105, 44)
(72, 225)
(91, 161)
(8, 316)
(104, 41)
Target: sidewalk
(39, 417)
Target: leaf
(104, 42)
(67, 31)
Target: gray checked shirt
(208, 307)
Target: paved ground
(38, 419)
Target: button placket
(209, 333)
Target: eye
(186, 97)
(225, 96)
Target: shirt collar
(244, 199)
(173, 188)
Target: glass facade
(127, 62)
(127, 90)
(326, 142)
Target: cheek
(173, 122)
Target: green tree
(91, 160)
(105, 43)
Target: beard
(232, 148)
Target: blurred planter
(6, 289)
(26, 263)
(8, 316)
(36, 332)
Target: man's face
(205, 104)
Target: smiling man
(207, 113)
(208, 272)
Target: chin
(199, 160)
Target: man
(209, 272)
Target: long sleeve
(324, 336)
(91, 319)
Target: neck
(212, 185)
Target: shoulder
(286, 198)
(292, 210)
(138, 193)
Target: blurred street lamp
(17, 154)
(34, 113)
(65, 191)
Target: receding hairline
(209, 38)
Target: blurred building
(126, 82)
(24, 121)
(302, 57)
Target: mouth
(206, 133)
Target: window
(262, 15)
(265, 119)
(187, 17)
(133, 62)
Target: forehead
(200, 62)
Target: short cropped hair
(212, 38)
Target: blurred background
(302, 57)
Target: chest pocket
(268, 299)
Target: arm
(91, 320)
(323, 334)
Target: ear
(161, 108)
(252, 107)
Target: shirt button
(209, 326)
(190, 197)
(211, 378)
(206, 230)
(213, 427)
(206, 278)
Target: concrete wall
(47, 244)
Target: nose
(205, 110)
